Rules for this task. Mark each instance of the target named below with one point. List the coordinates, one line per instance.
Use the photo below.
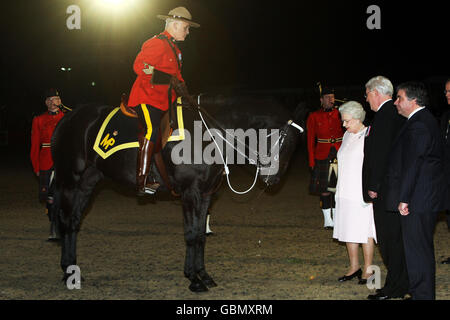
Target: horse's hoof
(53, 238)
(206, 279)
(209, 283)
(198, 286)
(64, 278)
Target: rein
(283, 134)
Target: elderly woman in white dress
(354, 223)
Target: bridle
(280, 141)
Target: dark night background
(280, 48)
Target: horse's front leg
(200, 246)
(68, 248)
(68, 230)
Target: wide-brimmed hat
(179, 13)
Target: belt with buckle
(332, 140)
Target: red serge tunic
(41, 134)
(322, 125)
(158, 54)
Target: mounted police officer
(158, 69)
(40, 154)
(324, 137)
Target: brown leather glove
(182, 91)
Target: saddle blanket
(119, 132)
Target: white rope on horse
(292, 123)
(227, 170)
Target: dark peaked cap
(52, 92)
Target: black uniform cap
(327, 90)
(51, 93)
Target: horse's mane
(92, 105)
(235, 108)
(231, 100)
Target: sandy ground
(265, 246)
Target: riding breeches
(150, 119)
(46, 185)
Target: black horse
(78, 168)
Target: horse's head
(281, 151)
(254, 115)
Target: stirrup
(148, 189)
(151, 190)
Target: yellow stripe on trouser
(148, 121)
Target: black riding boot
(146, 184)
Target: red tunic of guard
(41, 134)
(323, 125)
(157, 53)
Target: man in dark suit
(445, 126)
(416, 185)
(385, 126)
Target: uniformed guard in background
(158, 69)
(40, 154)
(324, 136)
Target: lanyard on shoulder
(172, 46)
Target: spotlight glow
(113, 2)
(118, 8)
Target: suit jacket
(384, 128)
(416, 165)
(445, 127)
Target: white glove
(148, 69)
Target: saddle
(165, 135)
(165, 128)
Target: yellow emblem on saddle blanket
(119, 132)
